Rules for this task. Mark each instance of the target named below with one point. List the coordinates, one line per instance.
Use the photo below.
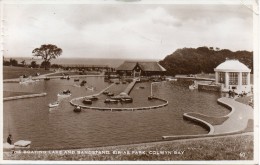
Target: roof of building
(232, 66)
(145, 66)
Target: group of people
(243, 94)
(231, 94)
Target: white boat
(27, 81)
(64, 94)
(76, 85)
(55, 104)
(22, 143)
(191, 87)
(77, 109)
(90, 88)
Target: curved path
(236, 122)
(238, 118)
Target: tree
(34, 64)
(56, 66)
(13, 62)
(45, 64)
(47, 53)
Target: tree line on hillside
(33, 64)
(46, 51)
(202, 60)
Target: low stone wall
(201, 122)
(215, 88)
(205, 125)
(123, 109)
(24, 96)
(231, 108)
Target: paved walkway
(238, 118)
(236, 123)
(130, 87)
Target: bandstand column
(248, 78)
(240, 78)
(226, 79)
(216, 77)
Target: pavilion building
(137, 69)
(233, 75)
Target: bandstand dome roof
(232, 66)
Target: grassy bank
(235, 147)
(10, 72)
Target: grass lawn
(11, 94)
(10, 72)
(235, 147)
(244, 100)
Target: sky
(145, 31)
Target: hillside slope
(202, 59)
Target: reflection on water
(60, 127)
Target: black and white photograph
(130, 81)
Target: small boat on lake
(76, 85)
(65, 93)
(150, 97)
(55, 104)
(63, 77)
(27, 82)
(192, 87)
(83, 83)
(90, 88)
(111, 101)
(87, 101)
(93, 98)
(130, 100)
(110, 94)
(77, 109)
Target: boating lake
(61, 128)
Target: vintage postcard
(130, 81)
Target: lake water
(60, 128)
